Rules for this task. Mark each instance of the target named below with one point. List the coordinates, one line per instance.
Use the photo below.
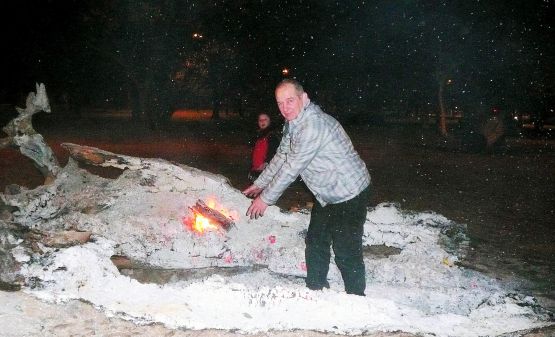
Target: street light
(285, 72)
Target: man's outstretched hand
(257, 206)
(252, 191)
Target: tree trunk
(216, 106)
(441, 118)
(136, 101)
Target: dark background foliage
(359, 59)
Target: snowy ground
(418, 289)
(24, 315)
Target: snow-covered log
(10, 237)
(63, 239)
(23, 136)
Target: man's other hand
(252, 191)
(257, 208)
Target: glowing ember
(208, 217)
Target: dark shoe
(318, 286)
(356, 293)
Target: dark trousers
(340, 226)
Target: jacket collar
(307, 109)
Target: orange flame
(200, 224)
(214, 205)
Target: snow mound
(416, 286)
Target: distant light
(285, 71)
(449, 81)
(179, 76)
(197, 36)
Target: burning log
(212, 215)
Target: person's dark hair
(264, 113)
(298, 86)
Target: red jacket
(265, 146)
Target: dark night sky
(370, 55)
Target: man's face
(289, 101)
(263, 121)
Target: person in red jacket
(265, 145)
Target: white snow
(141, 214)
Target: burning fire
(202, 223)
(199, 223)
